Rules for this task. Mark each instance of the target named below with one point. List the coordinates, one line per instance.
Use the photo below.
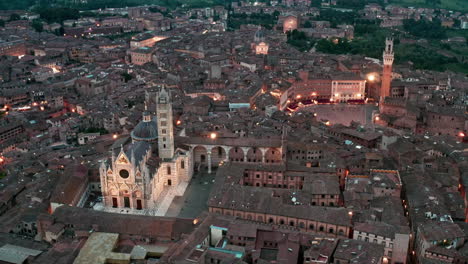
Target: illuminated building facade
(140, 172)
(290, 23)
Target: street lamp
(213, 135)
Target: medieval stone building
(147, 166)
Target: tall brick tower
(388, 57)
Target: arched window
(271, 220)
(291, 223)
(321, 228)
(281, 222)
(311, 226)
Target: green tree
(425, 29)
(276, 14)
(127, 77)
(59, 32)
(299, 40)
(334, 46)
(307, 24)
(37, 25)
(14, 17)
(58, 14)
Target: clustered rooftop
(150, 135)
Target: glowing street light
(461, 134)
(178, 122)
(314, 94)
(298, 96)
(371, 77)
(114, 136)
(377, 118)
(213, 135)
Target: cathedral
(259, 45)
(146, 166)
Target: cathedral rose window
(124, 173)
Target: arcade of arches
(212, 156)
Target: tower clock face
(124, 174)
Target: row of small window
(390, 245)
(324, 204)
(433, 116)
(284, 186)
(242, 238)
(311, 226)
(266, 161)
(279, 177)
(309, 158)
(303, 152)
(347, 83)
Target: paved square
(193, 202)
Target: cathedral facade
(146, 166)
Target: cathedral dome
(259, 35)
(146, 130)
